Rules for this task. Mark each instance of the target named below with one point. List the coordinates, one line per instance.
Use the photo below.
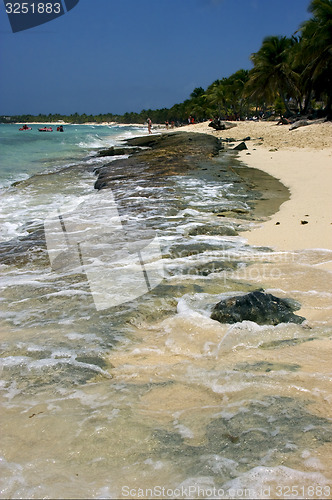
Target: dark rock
(259, 307)
(231, 211)
(240, 147)
(114, 151)
(217, 124)
(144, 141)
(100, 184)
(99, 170)
(221, 230)
(21, 250)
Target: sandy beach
(302, 160)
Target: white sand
(308, 175)
(302, 160)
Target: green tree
(316, 52)
(279, 107)
(216, 96)
(234, 88)
(197, 92)
(272, 75)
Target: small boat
(45, 129)
(25, 127)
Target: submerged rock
(20, 251)
(259, 307)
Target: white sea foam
(56, 360)
(263, 481)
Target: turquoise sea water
(151, 398)
(30, 154)
(24, 153)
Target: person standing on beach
(149, 125)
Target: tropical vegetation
(290, 76)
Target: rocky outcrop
(164, 155)
(116, 151)
(259, 307)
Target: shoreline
(303, 221)
(62, 123)
(301, 159)
(103, 124)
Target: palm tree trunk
(286, 105)
(328, 107)
(307, 100)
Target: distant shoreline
(109, 124)
(59, 123)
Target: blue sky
(128, 55)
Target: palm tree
(316, 51)
(272, 75)
(198, 103)
(234, 86)
(216, 95)
(197, 92)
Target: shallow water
(152, 398)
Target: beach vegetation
(216, 97)
(272, 75)
(197, 92)
(316, 54)
(279, 107)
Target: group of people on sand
(167, 124)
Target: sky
(114, 56)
